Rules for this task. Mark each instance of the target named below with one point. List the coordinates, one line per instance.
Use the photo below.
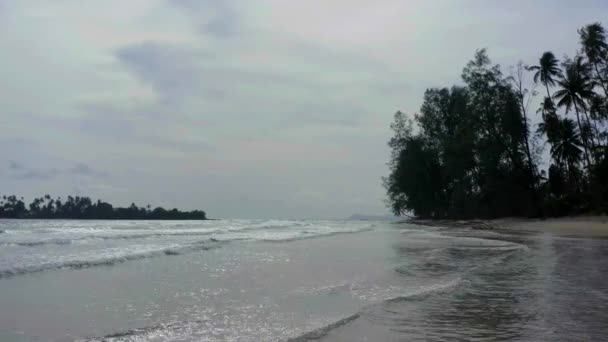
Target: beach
(549, 286)
(298, 280)
(583, 226)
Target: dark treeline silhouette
(471, 151)
(78, 207)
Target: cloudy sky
(262, 108)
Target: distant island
(471, 151)
(83, 208)
(361, 217)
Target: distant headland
(83, 208)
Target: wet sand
(518, 280)
(582, 226)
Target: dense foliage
(470, 151)
(83, 208)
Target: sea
(296, 280)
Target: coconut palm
(566, 149)
(550, 127)
(593, 40)
(598, 108)
(576, 87)
(546, 107)
(547, 71)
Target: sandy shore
(587, 226)
(584, 226)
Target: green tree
(593, 41)
(576, 87)
(550, 125)
(567, 149)
(469, 152)
(547, 71)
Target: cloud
(170, 69)
(250, 109)
(19, 171)
(81, 169)
(215, 17)
(14, 166)
(32, 174)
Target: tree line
(78, 207)
(472, 150)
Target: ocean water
(301, 280)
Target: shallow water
(523, 287)
(243, 280)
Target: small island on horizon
(83, 208)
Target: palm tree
(576, 86)
(567, 148)
(593, 40)
(546, 107)
(547, 70)
(550, 127)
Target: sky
(245, 109)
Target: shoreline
(573, 226)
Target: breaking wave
(43, 246)
(111, 260)
(367, 311)
(188, 327)
(63, 241)
(308, 235)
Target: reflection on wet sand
(509, 287)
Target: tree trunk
(594, 145)
(528, 154)
(585, 144)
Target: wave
(427, 290)
(490, 248)
(204, 245)
(314, 236)
(418, 294)
(141, 333)
(38, 243)
(131, 333)
(322, 332)
(59, 241)
(271, 225)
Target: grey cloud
(167, 68)
(134, 126)
(325, 115)
(82, 169)
(178, 71)
(14, 166)
(33, 174)
(30, 173)
(224, 22)
(105, 119)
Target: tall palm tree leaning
(547, 70)
(593, 40)
(575, 87)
